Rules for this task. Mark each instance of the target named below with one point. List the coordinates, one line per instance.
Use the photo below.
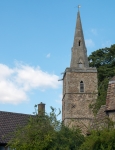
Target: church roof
(9, 122)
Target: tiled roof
(9, 122)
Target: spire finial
(78, 7)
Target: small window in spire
(79, 43)
(81, 87)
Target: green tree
(100, 140)
(104, 60)
(45, 132)
(68, 139)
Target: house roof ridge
(15, 113)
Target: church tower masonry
(79, 84)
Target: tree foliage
(100, 140)
(45, 132)
(68, 139)
(104, 60)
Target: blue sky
(36, 37)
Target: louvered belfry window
(81, 86)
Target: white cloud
(94, 31)
(10, 93)
(31, 77)
(48, 55)
(89, 43)
(16, 82)
(5, 71)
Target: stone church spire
(79, 51)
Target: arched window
(79, 43)
(81, 86)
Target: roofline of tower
(85, 70)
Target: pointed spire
(78, 31)
(79, 52)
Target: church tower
(79, 84)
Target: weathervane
(78, 7)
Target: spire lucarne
(79, 51)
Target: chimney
(41, 109)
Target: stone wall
(82, 123)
